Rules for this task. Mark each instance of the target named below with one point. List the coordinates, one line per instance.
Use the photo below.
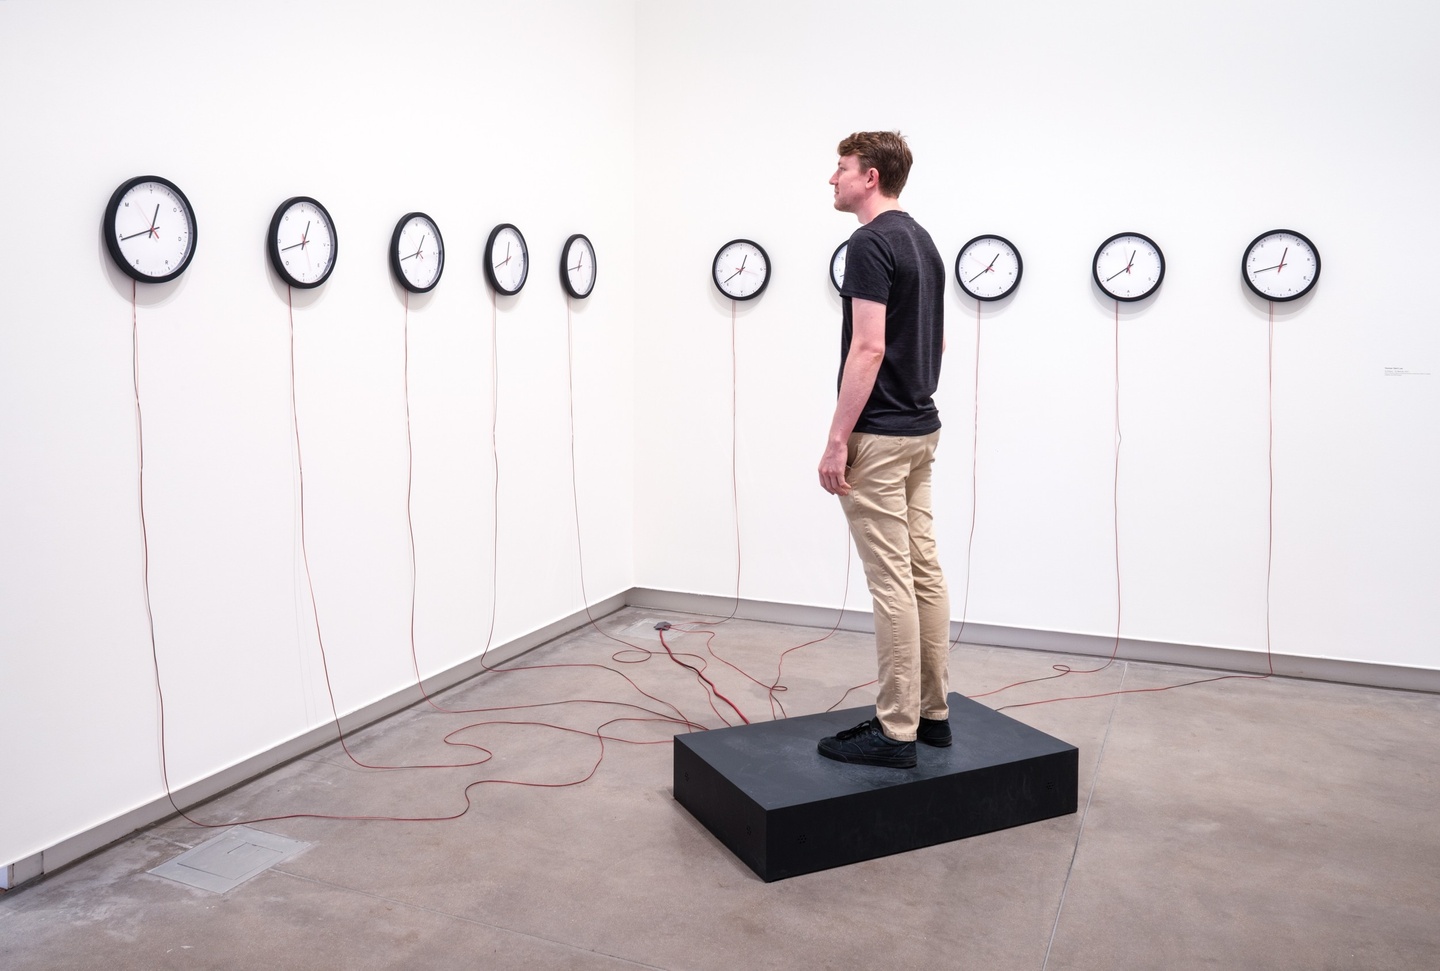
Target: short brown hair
(884, 151)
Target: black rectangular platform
(784, 809)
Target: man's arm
(862, 364)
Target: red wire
(679, 718)
(700, 675)
(734, 450)
(1063, 669)
(974, 484)
(1270, 464)
(145, 533)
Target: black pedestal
(784, 809)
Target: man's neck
(876, 205)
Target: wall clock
(577, 266)
(1281, 265)
(1128, 266)
(417, 253)
(988, 267)
(507, 260)
(837, 265)
(741, 269)
(302, 243)
(149, 229)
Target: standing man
(882, 445)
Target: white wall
(474, 113)
(1056, 125)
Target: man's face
(849, 182)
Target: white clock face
(1281, 265)
(508, 260)
(417, 252)
(988, 267)
(150, 230)
(577, 267)
(303, 241)
(837, 265)
(1129, 266)
(741, 269)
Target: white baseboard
(1063, 642)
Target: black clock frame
(112, 243)
(1095, 268)
(565, 269)
(272, 245)
(834, 282)
(395, 252)
(715, 273)
(1245, 258)
(1019, 267)
(490, 260)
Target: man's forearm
(862, 364)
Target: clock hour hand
(301, 243)
(143, 232)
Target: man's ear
(872, 177)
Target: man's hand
(832, 470)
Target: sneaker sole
(865, 760)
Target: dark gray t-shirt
(892, 260)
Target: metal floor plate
(224, 862)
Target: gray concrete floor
(1238, 824)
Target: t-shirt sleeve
(869, 267)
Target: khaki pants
(889, 510)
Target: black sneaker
(935, 731)
(866, 744)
